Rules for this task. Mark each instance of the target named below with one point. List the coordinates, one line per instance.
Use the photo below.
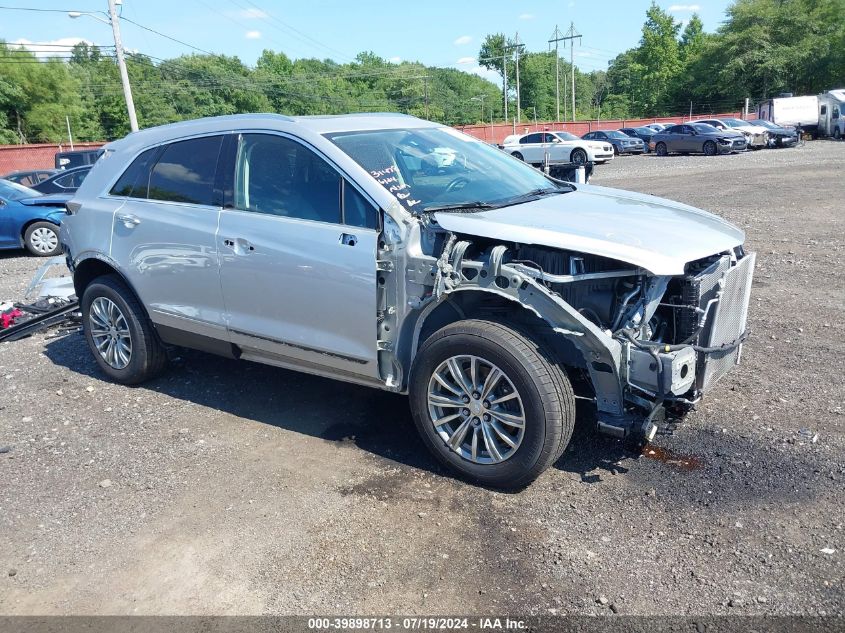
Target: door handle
(347, 239)
(239, 245)
(129, 221)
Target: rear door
(298, 259)
(164, 234)
(531, 148)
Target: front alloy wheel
(491, 402)
(476, 410)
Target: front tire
(578, 156)
(661, 150)
(119, 334)
(518, 155)
(490, 403)
(710, 149)
(42, 239)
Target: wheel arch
(25, 226)
(474, 303)
(90, 268)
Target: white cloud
(62, 45)
(466, 60)
(253, 14)
(571, 4)
(526, 16)
(463, 40)
(582, 53)
(253, 35)
(395, 60)
(680, 8)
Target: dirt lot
(236, 488)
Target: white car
(756, 135)
(561, 147)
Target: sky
(436, 33)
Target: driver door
(298, 259)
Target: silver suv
(400, 254)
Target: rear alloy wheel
(661, 149)
(490, 403)
(710, 148)
(578, 156)
(518, 155)
(42, 239)
(118, 332)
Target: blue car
(30, 219)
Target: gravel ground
(228, 487)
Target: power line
(168, 37)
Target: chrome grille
(727, 322)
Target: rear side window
(135, 180)
(185, 172)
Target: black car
(78, 158)
(694, 138)
(29, 177)
(779, 136)
(642, 133)
(622, 143)
(66, 181)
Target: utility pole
(114, 21)
(481, 99)
(571, 36)
(425, 89)
(516, 46)
(121, 62)
(505, 75)
(557, 36)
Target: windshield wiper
(535, 193)
(462, 206)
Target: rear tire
(119, 334)
(42, 239)
(837, 134)
(710, 149)
(518, 155)
(661, 150)
(578, 156)
(532, 388)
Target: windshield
(566, 136)
(705, 128)
(735, 122)
(428, 168)
(617, 135)
(644, 130)
(14, 191)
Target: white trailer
(832, 113)
(791, 112)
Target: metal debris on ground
(54, 304)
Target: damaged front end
(645, 343)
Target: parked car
(622, 143)
(78, 158)
(756, 136)
(29, 177)
(29, 219)
(322, 244)
(561, 147)
(688, 138)
(65, 181)
(779, 136)
(643, 133)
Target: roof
(315, 124)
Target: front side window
(278, 176)
(185, 171)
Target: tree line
(763, 47)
